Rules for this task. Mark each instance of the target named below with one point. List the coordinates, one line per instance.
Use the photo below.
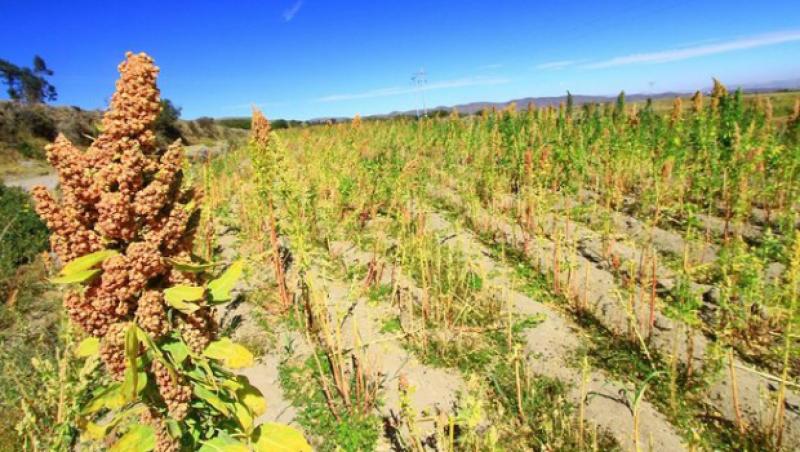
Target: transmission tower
(420, 79)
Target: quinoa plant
(124, 228)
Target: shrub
(166, 123)
(22, 233)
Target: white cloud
(490, 66)
(399, 90)
(289, 14)
(684, 53)
(556, 64)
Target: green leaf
(77, 277)
(179, 296)
(94, 431)
(88, 347)
(108, 398)
(129, 391)
(212, 399)
(224, 443)
(191, 266)
(244, 416)
(251, 397)
(139, 438)
(232, 355)
(178, 350)
(86, 262)
(152, 348)
(272, 437)
(221, 287)
(174, 428)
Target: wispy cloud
(487, 67)
(557, 64)
(399, 90)
(289, 14)
(684, 53)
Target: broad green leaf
(139, 438)
(94, 432)
(174, 428)
(224, 443)
(272, 437)
(232, 355)
(77, 277)
(251, 397)
(178, 350)
(179, 297)
(212, 399)
(221, 287)
(88, 347)
(234, 384)
(86, 262)
(109, 398)
(191, 266)
(127, 387)
(244, 416)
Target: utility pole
(419, 79)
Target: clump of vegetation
(26, 84)
(124, 226)
(22, 235)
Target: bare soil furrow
(360, 322)
(551, 345)
(595, 290)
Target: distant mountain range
(474, 107)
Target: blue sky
(312, 58)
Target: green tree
(166, 124)
(619, 108)
(570, 103)
(28, 85)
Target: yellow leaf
(86, 262)
(110, 398)
(232, 355)
(77, 277)
(179, 296)
(139, 438)
(244, 416)
(88, 347)
(221, 287)
(251, 397)
(272, 437)
(94, 431)
(224, 443)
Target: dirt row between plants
(752, 230)
(553, 346)
(634, 249)
(242, 317)
(665, 241)
(360, 323)
(550, 345)
(596, 290)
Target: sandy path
(27, 183)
